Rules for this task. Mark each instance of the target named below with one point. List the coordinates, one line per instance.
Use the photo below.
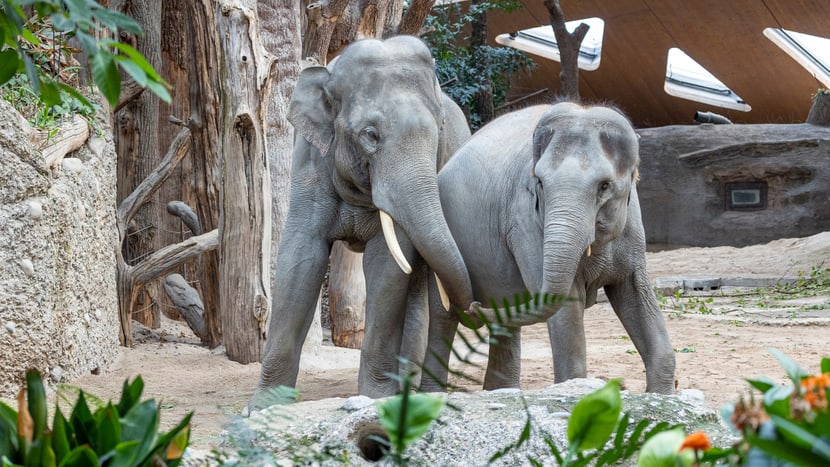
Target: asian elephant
(371, 129)
(544, 201)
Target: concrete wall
(58, 298)
(685, 171)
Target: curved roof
(725, 37)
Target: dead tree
(568, 44)
(820, 111)
(132, 277)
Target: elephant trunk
(417, 209)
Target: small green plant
(595, 422)
(125, 434)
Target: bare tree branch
(568, 49)
(171, 256)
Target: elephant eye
(604, 186)
(369, 139)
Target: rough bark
(190, 62)
(347, 297)
(568, 50)
(132, 277)
(137, 145)
(188, 302)
(413, 20)
(186, 214)
(245, 195)
(820, 111)
(322, 19)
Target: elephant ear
(542, 135)
(310, 110)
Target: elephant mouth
(388, 227)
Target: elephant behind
(371, 129)
(544, 201)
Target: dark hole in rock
(372, 442)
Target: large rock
(58, 303)
(477, 426)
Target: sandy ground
(715, 348)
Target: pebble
(97, 146)
(11, 327)
(72, 164)
(355, 403)
(56, 374)
(35, 211)
(27, 266)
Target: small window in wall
(687, 79)
(811, 52)
(541, 41)
(746, 196)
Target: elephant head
(378, 112)
(583, 169)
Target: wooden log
(187, 301)
(347, 297)
(820, 111)
(71, 135)
(188, 217)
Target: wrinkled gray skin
(371, 130)
(525, 198)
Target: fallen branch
(70, 137)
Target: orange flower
(815, 390)
(697, 441)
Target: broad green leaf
(82, 456)
(8, 65)
(661, 450)
(108, 429)
(115, 20)
(88, 43)
(139, 59)
(762, 383)
(418, 414)
(793, 370)
(61, 434)
(106, 76)
(800, 437)
(130, 394)
(595, 416)
(825, 365)
(49, 93)
(29, 36)
(125, 454)
(141, 424)
(81, 98)
(133, 70)
(777, 400)
(8, 430)
(32, 73)
(175, 449)
(81, 421)
(36, 399)
(62, 22)
(40, 453)
(782, 450)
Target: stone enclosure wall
(58, 303)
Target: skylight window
(541, 41)
(811, 52)
(687, 79)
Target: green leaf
(125, 454)
(159, 90)
(777, 400)
(40, 453)
(50, 93)
(81, 421)
(61, 434)
(661, 450)
(418, 414)
(139, 59)
(32, 73)
(800, 437)
(9, 64)
(133, 70)
(825, 365)
(82, 456)
(595, 416)
(762, 383)
(130, 394)
(785, 451)
(81, 98)
(108, 429)
(141, 424)
(793, 370)
(106, 76)
(115, 20)
(36, 399)
(174, 442)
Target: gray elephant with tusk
(543, 201)
(372, 130)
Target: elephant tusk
(445, 300)
(388, 226)
(588, 251)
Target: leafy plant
(456, 59)
(125, 434)
(21, 49)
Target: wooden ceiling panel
(724, 37)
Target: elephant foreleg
(386, 300)
(504, 360)
(301, 268)
(567, 339)
(442, 328)
(414, 339)
(636, 306)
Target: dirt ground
(717, 342)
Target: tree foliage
(22, 47)
(455, 58)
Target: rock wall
(58, 303)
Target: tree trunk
(569, 44)
(189, 55)
(347, 297)
(820, 111)
(415, 16)
(137, 145)
(245, 195)
(322, 18)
